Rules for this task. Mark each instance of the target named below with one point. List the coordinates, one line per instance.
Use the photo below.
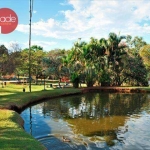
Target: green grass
(12, 135)
(14, 95)
(137, 87)
(143, 88)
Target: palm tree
(73, 64)
(116, 50)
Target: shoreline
(16, 108)
(116, 89)
(81, 90)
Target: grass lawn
(12, 135)
(14, 95)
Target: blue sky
(59, 23)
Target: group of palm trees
(105, 61)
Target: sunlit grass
(19, 88)
(13, 94)
(12, 135)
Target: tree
(135, 45)
(10, 59)
(3, 50)
(13, 62)
(93, 55)
(75, 63)
(115, 49)
(145, 54)
(54, 63)
(37, 55)
(3, 59)
(135, 70)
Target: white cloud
(63, 3)
(12, 45)
(34, 11)
(95, 18)
(43, 28)
(46, 45)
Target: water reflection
(91, 121)
(87, 108)
(30, 121)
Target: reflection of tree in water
(95, 105)
(52, 108)
(123, 104)
(96, 114)
(98, 104)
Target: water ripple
(52, 143)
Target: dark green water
(93, 121)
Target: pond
(94, 121)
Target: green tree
(134, 70)
(53, 62)
(93, 55)
(3, 59)
(74, 65)
(13, 62)
(135, 45)
(145, 54)
(37, 55)
(113, 49)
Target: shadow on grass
(13, 138)
(20, 100)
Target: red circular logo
(8, 20)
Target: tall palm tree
(116, 52)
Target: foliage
(37, 55)
(135, 71)
(135, 44)
(106, 59)
(75, 79)
(3, 58)
(105, 76)
(106, 55)
(145, 54)
(116, 52)
(90, 77)
(54, 64)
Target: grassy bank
(12, 95)
(12, 135)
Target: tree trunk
(76, 84)
(105, 83)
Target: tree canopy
(112, 61)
